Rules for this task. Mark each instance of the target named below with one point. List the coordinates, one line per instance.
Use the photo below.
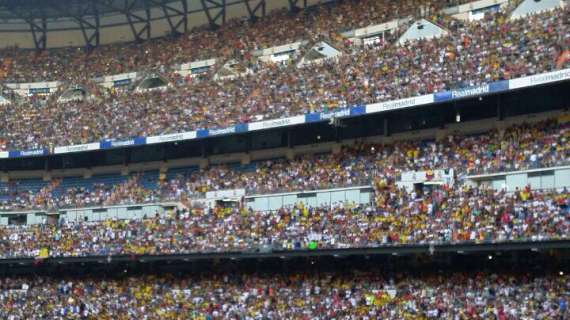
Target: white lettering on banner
(38, 152)
(469, 91)
(220, 194)
(276, 123)
(77, 148)
(399, 104)
(122, 143)
(215, 132)
(539, 79)
(4, 154)
(330, 115)
(171, 137)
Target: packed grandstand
(298, 296)
(520, 147)
(468, 54)
(72, 230)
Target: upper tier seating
(472, 53)
(237, 38)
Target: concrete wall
(538, 179)
(316, 198)
(119, 212)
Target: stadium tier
(365, 295)
(462, 54)
(520, 147)
(236, 39)
(396, 213)
(394, 218)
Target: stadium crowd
(494, 48)
(395, 217)
(237, 38)
(303, 296)
(519, 147)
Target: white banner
(429, 175)
(171, 137)
(222, 194)
(77, 148)
(217, 132)
(399, 104)
(268, 124)
(120, 76)
(538, 79)
(4, 154)
(376, 29)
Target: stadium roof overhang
(41, 17)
